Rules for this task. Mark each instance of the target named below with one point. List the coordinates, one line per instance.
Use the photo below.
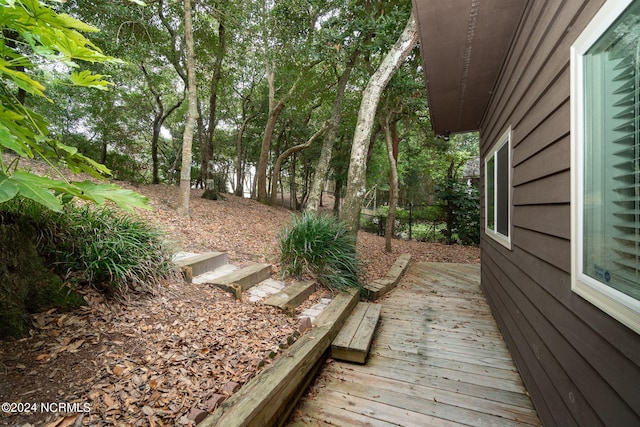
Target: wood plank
(350, 327)
(425, 400)
(415, 373)
(414, 370)
(267, 398)
(381, 413)
(354, 340)
(245, 277)
(201, 263)
(313, 413)
(291, 296)
(379, 287)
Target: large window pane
(611, 187)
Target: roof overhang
(463, 44)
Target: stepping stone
(291, 296)
(315, 310)
(242, 279)
(265, 289)
(353, 342)
(194, 265)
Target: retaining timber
(376, 288)
(241, 280)
(198, 264)
(269, 397)
(291, 296)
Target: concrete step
(242, 279)
(291, 296)
(197, 264)
(353, 342)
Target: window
(605, 74)
(498, 191)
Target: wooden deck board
(437, 358)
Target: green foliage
(321, 245)
(101, 247)
(462, 205)
(36, 37)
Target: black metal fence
(422, 222)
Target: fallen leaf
(73, 347)
(108, 400)
(118, 370)
(42, 356)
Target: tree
(36, 34)
(192, 115)
(356, 181)
(390, 137)
(288, 152)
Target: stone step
(353, 342)
(242, 279)
(265, 289)
(195, 265)
(291, 296)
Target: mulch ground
(166, 358)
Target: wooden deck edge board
(264, 400)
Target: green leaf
(9, 141)
(8, 189)
(86, 79)
(76, 24)
(125, 199)
(36, 188)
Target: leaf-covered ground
(167, 358)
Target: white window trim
(615, 303)
(505, 241)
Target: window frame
(504, 240)
(618, 305)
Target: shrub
(99, 246)
(321, 245)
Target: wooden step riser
(241, 280)
(200, 264)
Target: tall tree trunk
(239, 190)
(356, 180)
(207, 148)
(192, 114)
(274, 111)
(391, 140)
(275, 108)
(160, 116)
(287, 153)
(322, 167)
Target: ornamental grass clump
(321, 245)
(105, 248)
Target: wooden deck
(438, 359)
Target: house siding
(580, 365)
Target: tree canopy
(279, 87)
